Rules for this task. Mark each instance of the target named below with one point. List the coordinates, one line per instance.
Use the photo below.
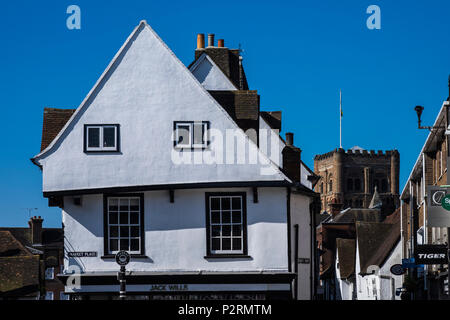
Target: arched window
(321, 187)
(330, 186)
(349, 184)
(357, 185)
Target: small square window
(101, 138)
(191, 134)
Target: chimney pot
(200, 41)
(289, 139)
(35, 224)
(210, 39)
(221, 43)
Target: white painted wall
(145, 92)
(300, 215)
(175, 235)
(381, 286)
(210, 75)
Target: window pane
(225, 203)
(134, 218)
(226, 216)
(237, 244)
(113, 218)
(226, 230)
(124, 218)
(113, 244)
(134, 231)
(114, 232)
(198, 133)
(93, 137)
(236, 230)
(124, 244)
(215, 231)
(215, 203)
(226, 243)
(124, 232)
(134, 245)
(236, 203)
(236, 217)
(134, 204)
(215, 244)
(183, 132)
(215, 217)
(109, 137)
(123, 204)
(113, 204)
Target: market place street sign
(431, 254)
(82, 254)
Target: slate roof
(346, 250)
(375, 242)
(54, 121)
(50, 236)
(352, 215)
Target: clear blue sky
(297, 55)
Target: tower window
(349, 184)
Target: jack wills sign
(431, 254)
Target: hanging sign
(431, 254)
(438, 207)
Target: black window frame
(100, 150)
(106, 252)
(191, 146)
(244, 253)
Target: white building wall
(210, 75)
(300, 214)
(175, 235)
(145, 92)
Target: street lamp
(419, 110)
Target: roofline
(175, 186)
(143, 23)
(430, 134)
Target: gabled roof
(19, 269)
(375, 241)
(346, 250)
(352, 215)
(151, 40)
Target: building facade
(145, 165)
(349, 178)
(430, 170)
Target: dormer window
(191, 134)
(101, 138)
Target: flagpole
(340, 118)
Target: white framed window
(50, 273)
(191, 134)
(124, 218)
(101, 137)
(49, 295)
(226, 223)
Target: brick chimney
(291, 158)
(35, 224)
(335, 207)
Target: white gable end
(210, 75)
(144, 90)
